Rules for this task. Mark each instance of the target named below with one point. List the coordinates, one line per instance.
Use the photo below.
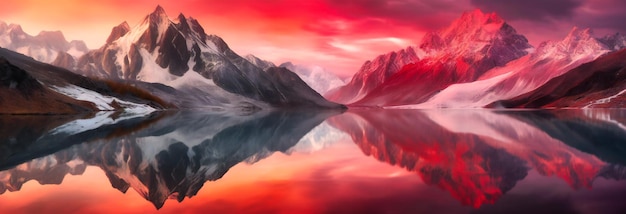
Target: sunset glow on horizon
(337, 35)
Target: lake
(359, 161)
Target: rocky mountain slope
(32, 87)
(462, 52)
(480, 60)
(179, 54)
(551, 59)
(600, 83)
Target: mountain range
(482, 61)
(47, 46)
(478, 61)
(172, 60)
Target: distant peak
(614, 41)
(15, 28)
(473, 13)
(159, 10)
(181, 17)
(157, 17)
(579, 34)
(124, 25)
(480, 18)
(287, 64)
(157, 14)
(118, 31)
(52, 35)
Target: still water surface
(375, 161)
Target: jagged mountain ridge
(551, 59)
(44, 47)
(372, 74)
(480, 60)
(469, 47)
(258, 62)
(175, 52)
(600, 83)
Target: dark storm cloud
(534, 10)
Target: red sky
(339, 35)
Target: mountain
(32, 87)
(179, 54)
(317, 77)
(551, 59)
(44, 47)
(262, 64)
(600, 83)
(615, 41)
(372, 74)
(472, 45)
(20, 93)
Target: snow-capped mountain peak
(476, 34)
(551, 59)
(473, 44)
(118, 31)
(14, 28)
(263, 64)
(178, 53)
(615, 41)
(578, 43)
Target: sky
(338, 35)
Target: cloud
(418, 14)
(602, 14)
(534, 10)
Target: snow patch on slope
(102, 102)
(152, 72)
(606, 100)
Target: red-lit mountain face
(549, 60)
(480, 60)
(372, 74)
(478, 162)
(473, 44)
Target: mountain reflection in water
(476, 156)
